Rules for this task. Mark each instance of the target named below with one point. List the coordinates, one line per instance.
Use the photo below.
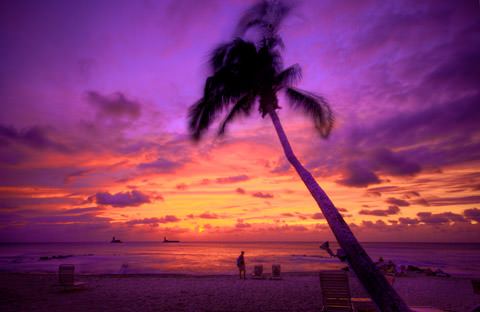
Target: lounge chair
(335, 291)
(276, 272)
(258, 272)
(66, 277)
(336, 294)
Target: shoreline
(233, 273)
(297, 291)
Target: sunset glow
(94, 139)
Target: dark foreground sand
(295, 292)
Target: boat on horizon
(165, 240)
(115, 240)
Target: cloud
(82, 210)
(35, 137)
(116, 105)
(407, 221)
(412, 193)
(394, 164)
(181, 186)
(262, 195)
(362, 172)
(233, 179)
(282, 166)
(241, 225)
(318, 216)
(447, 201)
(358, 175)
(205, 215)
(397, 202)
(472, 214)
(70, 177)
(421, 202)
(240, 190)
(86, 217)
(287, 228)
(205, 182)
(161, 165)
(445, 217)
(378, 225)
(208, 215)
(126, 199)
(154, 221)
(392, 210)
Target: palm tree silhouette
(247, 73)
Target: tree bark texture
(381, 292)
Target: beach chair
(336, 294)
(66, 277)
(258, 272)
(276, 272)
(335, 291)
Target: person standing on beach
(241, 265)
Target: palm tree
(246, 74)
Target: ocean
(220, 257)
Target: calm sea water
(220, 258)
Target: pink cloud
(125, 199)
(208, 215)
(116, 105)
(154, 221)
(262, 195)
(392, 210)
(233, 179)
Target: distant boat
(115, 240)
(165, 240)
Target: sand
(295, 292)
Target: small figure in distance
(241, 265)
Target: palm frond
(289, 77)
(200, 116)
(314, 106)
(266, 15)
(243, 105)
(251, 17)
(221, 89)
(240, 53)
(231, 53)
(218, 55)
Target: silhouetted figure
(241, 265)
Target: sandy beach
(295, 292)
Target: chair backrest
(258, 270)
(65, 274)
(276, 270)
(335, 291)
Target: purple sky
(95, 94)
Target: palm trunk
(381, 292)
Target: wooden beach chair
(336, 294)
(258, 272)
(276, 272)
(335, 291)
(66, 277)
